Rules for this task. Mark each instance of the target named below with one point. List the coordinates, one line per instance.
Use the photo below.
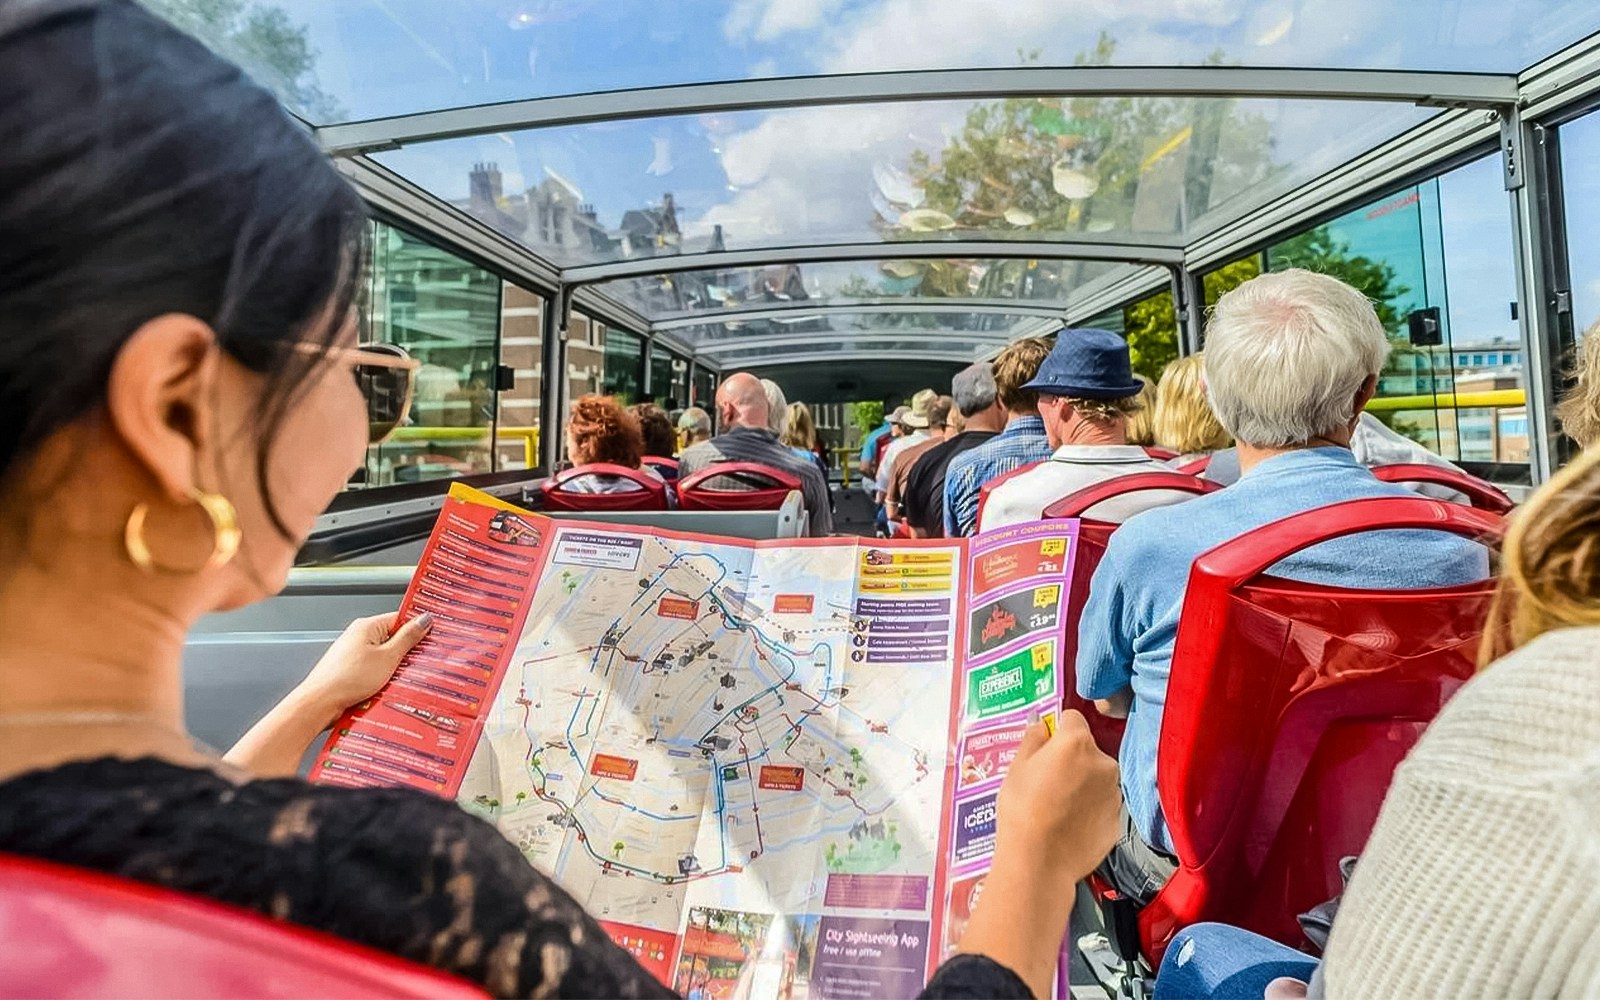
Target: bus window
(445, 312)
(1580, 146)
(1441, 244)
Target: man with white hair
(1291, 359)
(743, 415)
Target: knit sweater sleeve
(1482, 876)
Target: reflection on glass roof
(342, 60)
(1110, 170)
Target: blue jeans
(1219, 962)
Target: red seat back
(1289, 707)
(1479, 493)
(667, 467)
(1160, 454)
(76, 934)
(991, 485)
(765, 488)
(1196, 467)
(1093, 537)
(651, 495)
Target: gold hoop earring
(225, 534)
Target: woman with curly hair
(600, 431)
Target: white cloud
(766, 20)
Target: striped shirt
(1022, 441)
(759, 445)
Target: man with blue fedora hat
(1086, 393)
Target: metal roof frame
(719, 349)
(1434, 89)
(1148, 252)
(954, 357)
(886, 306)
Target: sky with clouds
(808, 175)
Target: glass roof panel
(1128, 170)
(356, 59)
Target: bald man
(743, 414)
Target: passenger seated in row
(747, 437)
(1482, 876)
(1141, 422)
(1184, 422)
(1291, 358)
(600, 431)
(660, 440)
(694, 426)
(980, 417)
(1022, 441)
(943, 420)
(1086, 393)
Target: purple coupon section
(972, 842)
(864, 959)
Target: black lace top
(389, 868)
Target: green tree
(1319, 250)
(868, 415)
(1151, 324)
(259, 37)
(1078, 165)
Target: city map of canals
(711, 725)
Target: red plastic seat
(993, 484)
(667, 467)
(1195, 468)
(651, 494)
(1288, 709)
(766, 488)
(1479, 493)
(1092, 539)
(69, 933)
(1160, 454)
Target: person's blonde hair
(1579, 409)
(1140, 428)
(1183, 420)
(1550, 563)
(801, 430)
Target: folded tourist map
(768, 768)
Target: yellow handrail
(1447, 400)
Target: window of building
(446, 312)
(521, 334)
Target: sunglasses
(387, 378)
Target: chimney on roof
(669, 214)
(716, 239)
(484, 185)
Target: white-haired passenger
(1291, 359)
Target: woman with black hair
(181, 394)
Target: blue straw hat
(1087, 364)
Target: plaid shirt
(1022, 441)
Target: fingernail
(425, 620)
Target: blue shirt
(1130, 620)
(1022, 441)
(868, 441)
